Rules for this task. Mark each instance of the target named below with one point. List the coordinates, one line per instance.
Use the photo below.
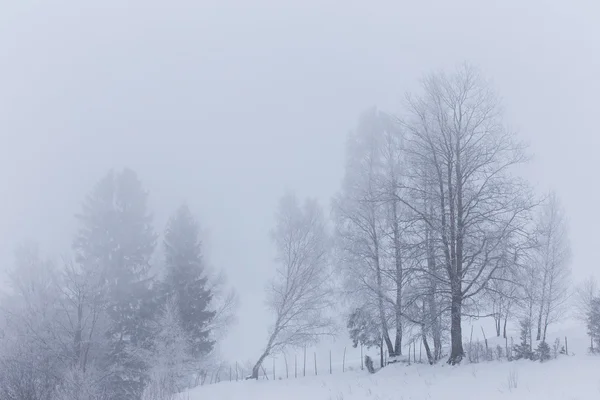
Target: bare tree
(33, 352)
(81, 308)
(369, 229)
(586, 294)
(300, 295)
(553, 257)
(503, 294)
(464, 157)
(224, 304)
(391, 185)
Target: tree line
(432, 224)
(105, 323)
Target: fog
(227, 104)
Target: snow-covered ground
(573, 377)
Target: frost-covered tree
(593, 323)
(585, 294)
(463, 158)
(300, 295)
(173, 361)
(186, 280)
(368, 225)
(543, 351)
(363, 329)
(553, 255)
(33, 351)
(524, 349)
(116, 240)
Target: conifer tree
(186, 280)
(116, 238)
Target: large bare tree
(300, 295)
(464, 159)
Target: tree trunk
(399, 278)
(384, 325)
(426, 345)
(437, 345)
(539, 327)
(256, 368)
(434, 317)
(457, 227)
(79, 336)
(542, 305)
(381, 352)
(498, 320)
(505, 322)
(457, 352)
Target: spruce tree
(523, 350)
(185, 279)
(543, 351)
(116, 238)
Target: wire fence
(309, 363)
(315, 363)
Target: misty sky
(226, 104)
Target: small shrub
(489, 354)
(475, 352)
(543, 351)
(369, 364)
(523, 350)
(499, 352)
(556, 347)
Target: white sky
(225, 104)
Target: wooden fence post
(304, 361)
(415, 353)
(344, 361)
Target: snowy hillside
(573, 377)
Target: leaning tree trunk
(265, 354)
(256, 368)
